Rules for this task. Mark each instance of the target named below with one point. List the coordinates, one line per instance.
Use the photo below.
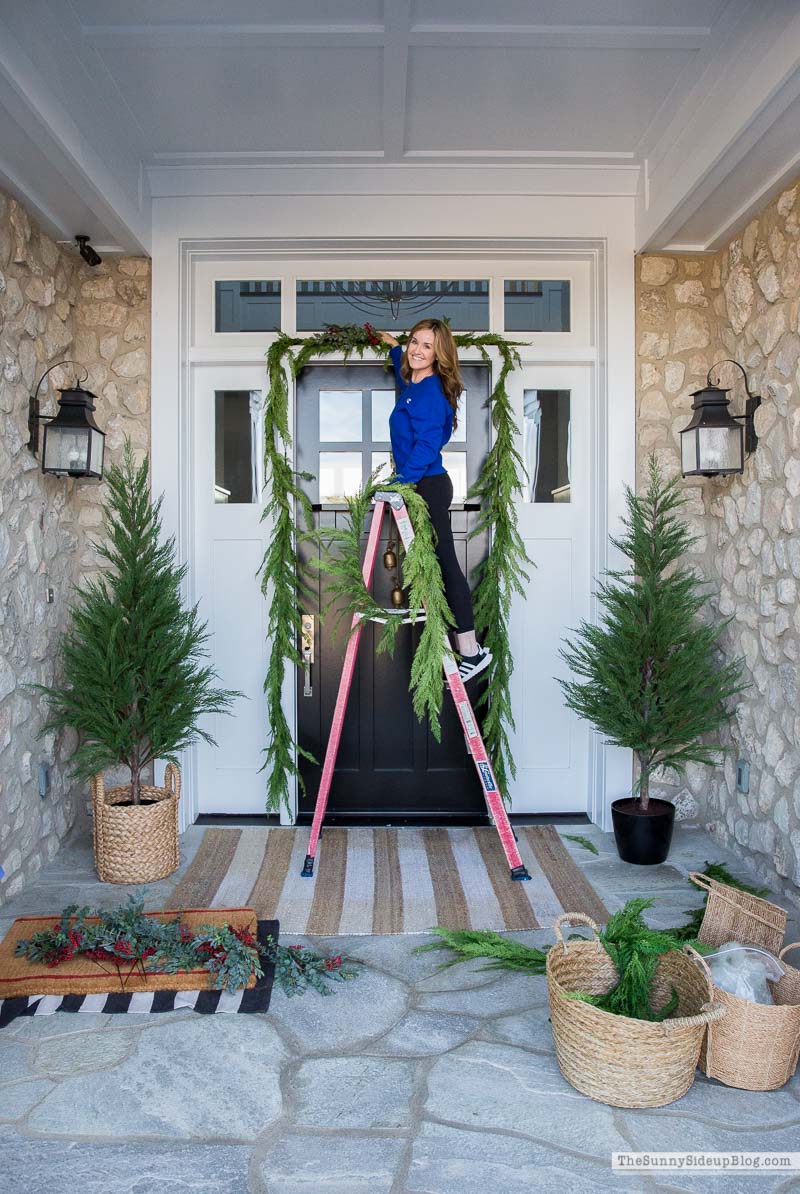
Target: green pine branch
(503, 573)
(348, 597)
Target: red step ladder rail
(475, 744)
(345, 682)
(469, 724)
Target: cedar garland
(499, 576)
(423, 578)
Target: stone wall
(692, 311)
(53, 307)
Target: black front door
(389, 765)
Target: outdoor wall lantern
(716, 442)
(73, 444)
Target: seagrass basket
(136, 843)
(616, 1059)
(756, 1046)
(733, 915)
(787, 989)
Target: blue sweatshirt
(420, 425)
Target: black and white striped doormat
(249, 999)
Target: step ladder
(469, 724)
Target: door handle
(307, 650)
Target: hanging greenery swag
(284, 586)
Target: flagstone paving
(408, 1080)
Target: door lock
(307, 650)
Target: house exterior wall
(743, 303)
(52, 308)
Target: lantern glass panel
(688, 452)
(98, 441)
(66, 449)
(720, 448)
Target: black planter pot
(643, 838)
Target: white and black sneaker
(470, 665)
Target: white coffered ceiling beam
(114, 37)
(395, 78)
(396, 32)
(562, 37)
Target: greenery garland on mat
(499, 576)
(123, 941)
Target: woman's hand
(387, 338)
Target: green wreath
(498, 577)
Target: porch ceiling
(129, 92)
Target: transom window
(393, 304)
(247, 306)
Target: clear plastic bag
(743, 970)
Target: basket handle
(786, 948)
(700, 961)
(708, 1013)
(98, 786)
(700, 880)
(574, 918)
(711, 885)
(172, 780)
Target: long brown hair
(445, 361)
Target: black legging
(438, 494)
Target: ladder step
(308, 867)
(404, 614)
(519, 872)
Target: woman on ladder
(423, 419)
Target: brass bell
(389, 559)
(398, 597)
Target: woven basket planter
(756, 1046)
(616, 1059)
(136, 843)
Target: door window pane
(459, 436)
(237, 446)
(340, 415)
(247, 306)
(382, 407)
(547, 445)
(339, 475)
(382, 460)
(456, 465)
(393, 304)
(531, 306)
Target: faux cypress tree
(655, 682)
(134, 684)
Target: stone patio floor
(407, 1080)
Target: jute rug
(388, 880)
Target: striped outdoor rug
(388, 880)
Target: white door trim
(173, 432)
